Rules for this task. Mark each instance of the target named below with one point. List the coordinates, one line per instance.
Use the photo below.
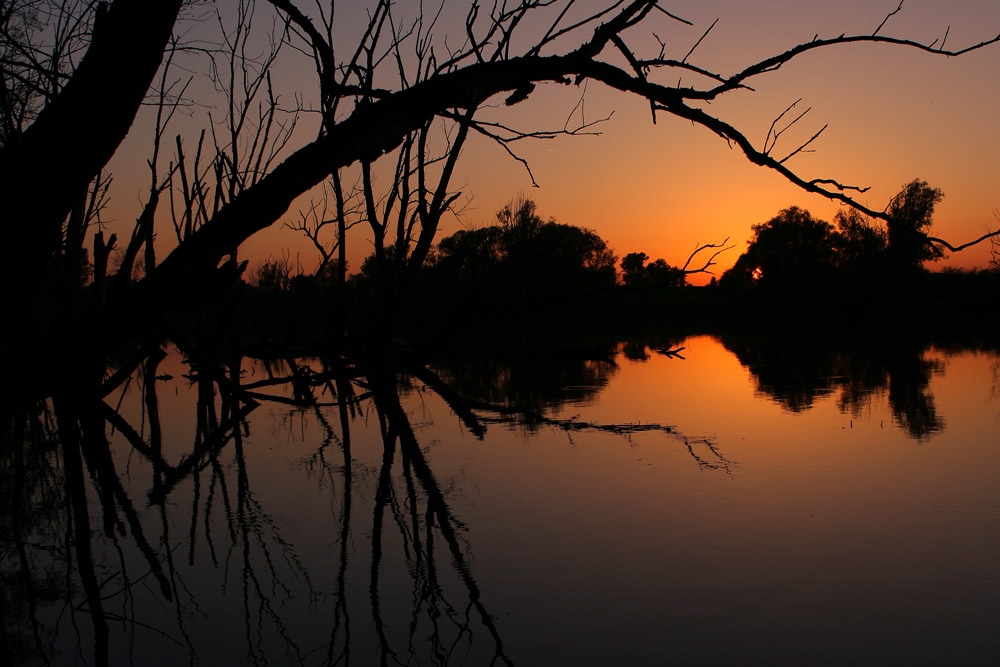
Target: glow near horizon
(894, 114)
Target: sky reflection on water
(747, 503)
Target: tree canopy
(637, 273)
(795, 247)
(862, 243)
(910, 215)
(523, 255)
(792, 246)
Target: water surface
(735, 501)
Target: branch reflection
(146, 515)
(203, 549)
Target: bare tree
(316, 222)
(397, 105)
(452, 88)
(86, 109)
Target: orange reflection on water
(836, 528)
(801, 509)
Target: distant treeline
(522, 269)
(521, 255)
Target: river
(709, 500)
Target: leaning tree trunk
(44, 171)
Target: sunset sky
(894, 114)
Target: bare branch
(954, 248)
(673, 16)
(703, 36)
(802, 148)
(772, 136)
(888, 16)
(719, 249)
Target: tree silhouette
(910, 216)
(471, 256)
(523, 256)
(636, 273)
(87, 116)
(791, 247)
(862, 243)
(519, 217)
(634, 268)
(226, 186)
(570, 255)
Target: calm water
(737, 502)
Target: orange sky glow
(894, 114)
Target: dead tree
(401, 94)
(87, 117)
(452, 88)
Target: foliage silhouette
(636, 273)
(522, 257)
(793, 248)
(862, 244)
(634, 268)
(790, 248)
(910, 216)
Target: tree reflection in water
(78, 534)
(795, 372)
(119, 541)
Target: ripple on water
(966, 507)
